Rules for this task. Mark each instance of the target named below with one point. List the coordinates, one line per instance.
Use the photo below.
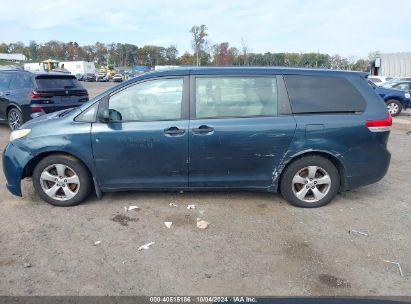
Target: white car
(379, 80)
(118, 78)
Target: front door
(145, 143)
(237, 137)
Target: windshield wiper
(66, 112)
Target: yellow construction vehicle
(49, 64)
(109, 70)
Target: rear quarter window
(47, 82)
(4, 81)
(20, 80)
(323, 94)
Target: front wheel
(394, 107)
(309, 182)
(62, 180)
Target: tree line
(204, 53)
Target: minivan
(307, 134)
(25, 95)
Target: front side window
(153, 100)
(236, 97)
(88, 115)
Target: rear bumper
(14, 162)
(369, 172)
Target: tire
(313, 172)
(46, 176)
(14, 118)
(394, 107)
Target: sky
(346, 27)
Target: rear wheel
(15, 119)
(62, 180)
(394, 107)
(309, 182)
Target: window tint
(4, 80)
(149, 101)
(236, 97)
(20, 81)
(49, 82)
(316, 94)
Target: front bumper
(15, 160)
(407, 103)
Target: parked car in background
(89, 77)
(102, 77)
(389, 83)
(118, 78)
(379, 80)
(395, 99)
(400, 85)
(25, 95)
(305, 133)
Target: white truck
(34, 67)
(78, 67)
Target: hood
(48, 118)
(389, 91)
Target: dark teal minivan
(305, 133)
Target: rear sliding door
(238, 130)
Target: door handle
(203, 129)
(174, 131)
(7, 93)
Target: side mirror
(105, 115)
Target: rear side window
(322, 94)
(4, 80)
(49, 82)
(236, 97)
(20, 81)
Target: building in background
(12, 57)
(391, 64)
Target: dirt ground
(256, 243)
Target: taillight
(36, 108)
(36, 94)
(379, 125)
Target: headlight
(407, 95)
(19, 134)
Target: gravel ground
(256, 243)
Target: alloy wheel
(14, 120)
(393, 108)
(311, 184)
(60, 182)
